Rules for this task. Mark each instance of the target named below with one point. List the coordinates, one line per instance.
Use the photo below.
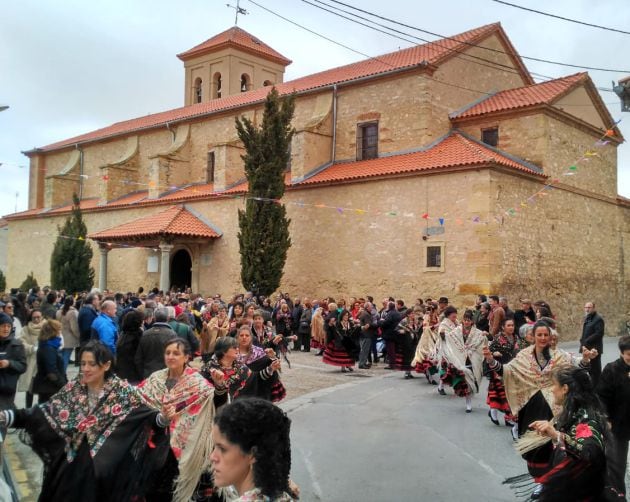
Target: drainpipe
(80, 171)
(334, 136)
(168, 126)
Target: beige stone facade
(567, 247)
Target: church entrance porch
(181, 270)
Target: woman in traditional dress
(462, 356)
(578, 463)
(425, 360)
(503, 347)
(257, 359)
(448, 324)
(408, 335)
(336, 353)
(97, 439)
(318, 334)
(190, 402)
(252, 451)
(217, 327)
(239, 378)
(528, 384)
(262, 335)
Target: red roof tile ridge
(352, 71)
(236, 36)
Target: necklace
(93, 397)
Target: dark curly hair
(581, 395)
(132, 321)
(260, 428)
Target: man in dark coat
(12, 362)
(593, 338)
(614, 391)
(150, 354)
(388, 324)
(87, 313)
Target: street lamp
(622, 89)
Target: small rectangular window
(210, 168)
(367, 141)
(434, 256)
(490, 136)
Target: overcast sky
(71, 66)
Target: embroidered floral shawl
(236, 377)
(254, 354)
(523, 377)
(68, 413)
(191, 442)
(455, 350)
(187, 396)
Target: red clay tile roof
(456, 150)
(239, 38)
(523, 97)
(433, 53)
(174, 221)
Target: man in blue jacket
(105, 327)
(87, 313)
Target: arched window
(198, 94)
(216, 85)
(245, 82)
(267, 83)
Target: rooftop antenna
(238, 9)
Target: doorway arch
(181, 270)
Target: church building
(441, 169)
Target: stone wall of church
(566, 249)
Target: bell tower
(230, 63)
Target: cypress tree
(3, 281)
(70, 262)
(29, 283)
(264, 228)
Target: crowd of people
(157, 371)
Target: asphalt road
(387, 439)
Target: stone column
(102, 267)
(165, 266)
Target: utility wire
(539, 60)
(563, 18)
(492, 64)
(387, 63)
(466, 57)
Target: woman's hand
(275, 365)
(496, 354)
(276, 339)
(218, 378)
(589, 355)
(544, 428)
(169, 412)
(487, 355)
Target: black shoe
(537, 492)
(364, 367)
(441, 392)
(468, 410)
(408, 376)
(350, 368)
(495, 422)
(389, 368)
(344, 370)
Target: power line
(539, 60)
(563, 18)
(359, 52)
(471, 58)
(331, 40)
